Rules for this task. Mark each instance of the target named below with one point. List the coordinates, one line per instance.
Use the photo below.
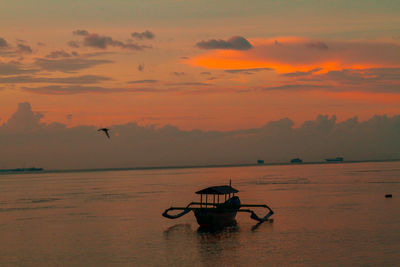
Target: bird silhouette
(105, 130)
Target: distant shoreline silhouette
(209, 166)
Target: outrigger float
(211, 212)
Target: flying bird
(105, 130)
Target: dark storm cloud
(234, 43)
(143, 35)
(68, 64)
(84, 79)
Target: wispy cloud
(61, 54)
(68, 64)
(14, 68)
(247, 71)
(84, 79)
(375, 80)
(143, 35)
(77, 89)
(80, 32)
(301, 73)
(142, 81)
(294, 87)
(25, 49)
(177, 73)
(73, 44)
(317, 45)
(68, 90)
(189, 84)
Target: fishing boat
(218, 206)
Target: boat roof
(218, 190)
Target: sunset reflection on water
(325, 214)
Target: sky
(209, 66)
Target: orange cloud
(291, 54)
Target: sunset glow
(153, 70)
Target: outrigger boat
(211, 212)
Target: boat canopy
(218, 190)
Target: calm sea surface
(325, 215)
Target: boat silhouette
(210, 211)
(337, 159)
(296, 160)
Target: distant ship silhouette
(337, 159)
(296, 160)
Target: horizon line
(10, 171)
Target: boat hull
(215, 217)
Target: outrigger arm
(253, 215)
(166, 215)
(186, 210)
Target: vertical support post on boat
(213, 198)
(225, 196)
(218, 199)
(201, 200)
(206, 200)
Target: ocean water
(325, 215)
